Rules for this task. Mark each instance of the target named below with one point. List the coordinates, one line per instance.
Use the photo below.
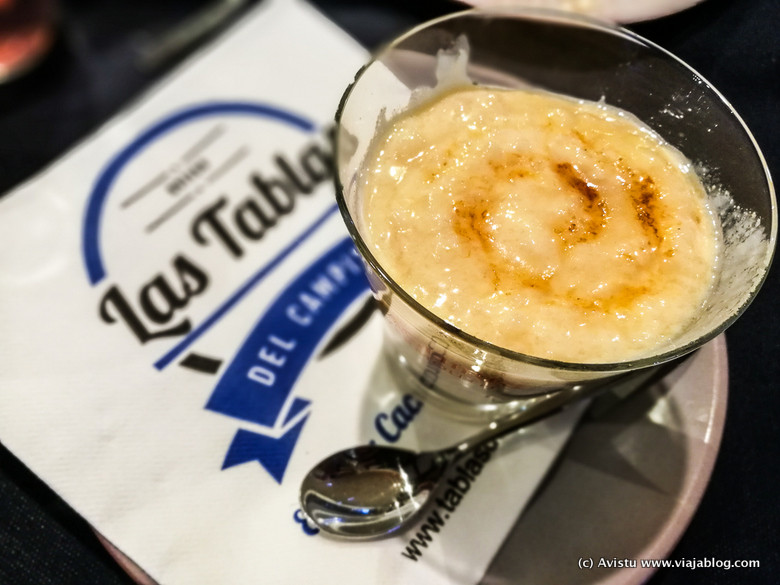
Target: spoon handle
(546, 405)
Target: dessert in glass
(544, 200)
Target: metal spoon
(375, 490)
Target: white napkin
(173, 292)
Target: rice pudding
(554, 227)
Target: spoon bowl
(370, 491)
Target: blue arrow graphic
(273, 454)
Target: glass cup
(577, 56)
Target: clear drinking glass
(583, 58)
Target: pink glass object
(26, 34)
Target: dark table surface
(92, 73)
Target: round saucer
(626, 486)
(622, 491)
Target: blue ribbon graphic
(257, 385)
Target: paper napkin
(187, 330)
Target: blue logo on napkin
(257, 386)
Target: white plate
(622, 11)
(625, 487)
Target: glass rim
(535, 13)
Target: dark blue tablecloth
(92, 73)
